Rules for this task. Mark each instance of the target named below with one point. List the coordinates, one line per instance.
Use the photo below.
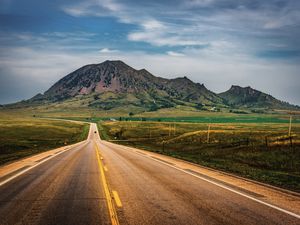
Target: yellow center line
(109, 200)
(105, 168)
(117, 199)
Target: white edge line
(39, 163)
(222, 186)
(229, 189)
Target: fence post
(290, 125)
(291, 141)
(208, 130)
(174, 129)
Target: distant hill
(247, 97)
(113, 84)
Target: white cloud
(95, 8)
(152, 25)
(159, 38)
(162, 34)
(150, 30)
(193, 3)
(107, 50)
(111, 5)
(75, 11)
(176, 54)
(199, 22)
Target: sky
(216, 42)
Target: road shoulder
(281, 198)
(13, 169)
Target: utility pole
(174, 128)
(208, 130)
(290, 126)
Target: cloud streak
(199, 22)
(107, 50)
(176, 54)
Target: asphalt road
(63, 190)
(70, 189)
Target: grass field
(261, 151)
(21, 137)
(167, 115)
(255, 146)
(179, 114)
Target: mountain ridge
(248, 97)
(113, 84)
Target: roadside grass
(103, 132)
(22, 137)
(258, 151)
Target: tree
(199, 106)
(96, 97)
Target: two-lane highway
(88, 183)
(66, 189)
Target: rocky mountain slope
(113, 84)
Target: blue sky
(215, 42)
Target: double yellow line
(109, 199)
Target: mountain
(115, 85)
(247, 97)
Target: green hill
(247, 97)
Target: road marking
(212, 182)
(219, 185)
(162, 160)
(14, 172)
(142, 153)
(105, 168)
(39, 163)
(111, 208)
(43, 158)
(117, 199)
(228, 188)
(226, 184)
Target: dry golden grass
(24, 136)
